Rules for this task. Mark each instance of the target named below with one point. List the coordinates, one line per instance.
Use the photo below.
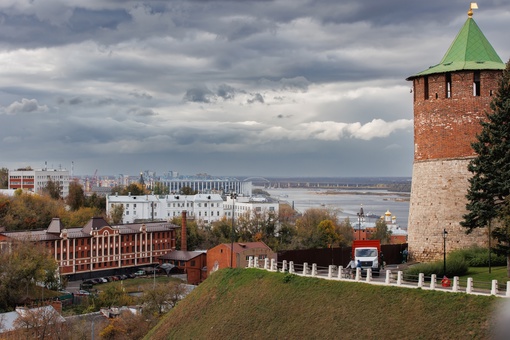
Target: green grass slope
(256, 304)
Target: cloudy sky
(233, 87)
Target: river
(347, 202)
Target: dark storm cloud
(199, 95)
(226, 92)
(240, 86)
(257, 98)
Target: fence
(338, 256)
(388, 278)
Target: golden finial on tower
(472, 6)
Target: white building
(205, 208)
(250, 207)
(36, 180)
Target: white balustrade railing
(346, 274)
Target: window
(448, 85)
(426, 88)
(476, 84)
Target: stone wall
(438, 202)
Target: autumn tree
(28, 211)
(96, 202)
(113, 295)
(159, 298)
(4, 178)
(327, 234)
(76, 197)
(79, 217)
(135, 189)
(116, 214)
(23, 264)
(194, 238)
(489, 187)
(382, 232)
(40, 323)
(160, 188)
(187, 191)
(309, 235)
(52, 189)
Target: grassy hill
(255, 304)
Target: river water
(347, 202)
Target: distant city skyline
(231, 88)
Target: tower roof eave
(459, 66)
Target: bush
(479, 257)
(456, 265)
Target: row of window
(448, 86)
(114, 251)
(158, 235)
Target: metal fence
(338, 256)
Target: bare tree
(39, 323)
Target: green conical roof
(469, 51)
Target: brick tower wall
(444, 129)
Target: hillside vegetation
(256, 304)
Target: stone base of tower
(438, 202)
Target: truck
(367, 252)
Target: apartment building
(36, 180)
(204, 208)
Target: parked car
(131, 276)
(82, 292)
(123, 277)
(140, 273)
(88, 282)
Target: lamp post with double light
(361, 217)
(233, 196)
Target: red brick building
(221, 256)
(192, 263)
(101, 249)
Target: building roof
(239, 247)
(180, 255)
(96, 223)
(469, 51)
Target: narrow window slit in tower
(476, 84)
(448, 85)
(426, 87)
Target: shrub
(456, 265)
(479, 257)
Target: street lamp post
(233, 196)
(489, 246)
(444, 251)
(360, 218)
